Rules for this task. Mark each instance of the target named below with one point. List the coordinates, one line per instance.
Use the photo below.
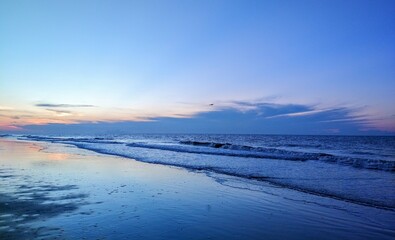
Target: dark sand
(53, 191)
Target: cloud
(251, 117)
(232, 117)
(57, 111)
(300, 114)
(10, 128)
(60, 113)
(5, 108)
(49, 105)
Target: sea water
(358, 169)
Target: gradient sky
(314, 67)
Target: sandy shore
(54, 191)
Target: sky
(206, 66)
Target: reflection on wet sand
(27, 201)
(59, 156)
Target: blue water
(350, 168)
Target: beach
(59, 191)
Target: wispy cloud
(60, 113)
(301, 113)
(50, 105)
(5, 108)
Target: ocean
(357, 169)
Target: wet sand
(54, 191)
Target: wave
(251, 148)
(278, 155)
(373, 164)
(302, 145)
(235, 150)
(72, 139)
(242, 147)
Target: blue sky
(327, 64)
